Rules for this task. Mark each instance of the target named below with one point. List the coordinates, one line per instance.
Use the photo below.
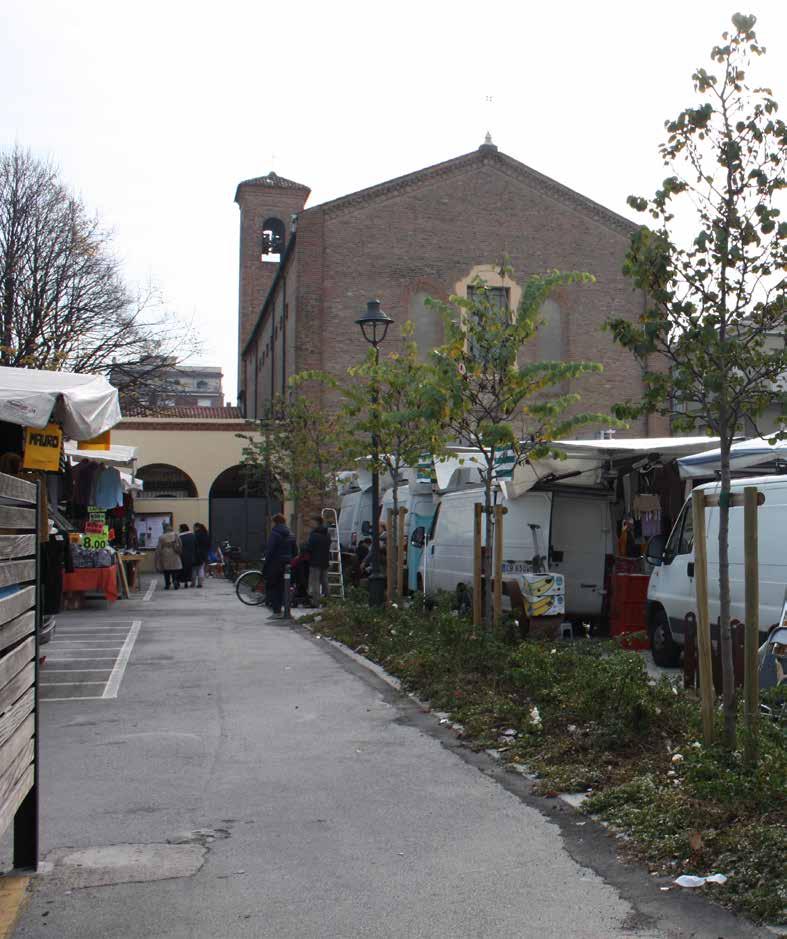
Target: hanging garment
(84, 475)
(108, 488)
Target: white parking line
(51, 671)
(87, 697)
(52, 684)
(113, 685)
(80, 658)
(149, 592)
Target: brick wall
(430, 231)
(258, 203)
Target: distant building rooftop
(183, 413)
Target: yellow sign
(42, 448)
(102, 442)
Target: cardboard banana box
(545, 606)
(543, 585)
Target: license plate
(515, 567)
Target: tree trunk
(725, 631)
(487, 556)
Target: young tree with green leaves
(395, 399)
(300, 447)
(712, 338)
(491, 402)
(392, 398)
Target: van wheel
(464, 599)
(666, 652)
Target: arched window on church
(272, 239)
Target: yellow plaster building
(189, 461)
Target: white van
(671, 592)
(574, 536)
(355, 518)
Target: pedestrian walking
(187, 555)
(168, 562)
(319, 547)
(201, 552)
(278, 553)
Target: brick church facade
(307, 273)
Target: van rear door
(580, 541)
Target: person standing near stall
(168, 551)
(278, 553)
(187, 555)
(201, 552)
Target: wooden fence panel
(20, 614)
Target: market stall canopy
(87, 405)
(744, 455)
(117, 455)
(585, 463)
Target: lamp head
(374, 323)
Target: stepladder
(335, 571)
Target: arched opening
(272, 239)
(163, 481)
(242, 502)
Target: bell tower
(267, 204)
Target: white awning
(87, 405)
(117, 455)
(743, 455)
(585, 461)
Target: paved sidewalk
(251, 781)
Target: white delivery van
(671, 592)
(355, 518)
(573, 528)
(386, 503)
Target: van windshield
(681, 541)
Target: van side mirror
(366, 528)
(654, 553)
(418, 537)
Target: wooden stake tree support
(751, 678)
(389, 557)
(500, 511)
(401, 552)
(707, 696)
(750, 499)
(477, 606)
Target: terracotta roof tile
(184, 413)
(274, 181)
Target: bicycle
(250, 588)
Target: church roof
(271, 181)
(487, 153)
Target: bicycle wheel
(250, 588)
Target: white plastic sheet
(117, 455)
(86, 404)
(743, 455)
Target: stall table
(101, 580)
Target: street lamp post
(374, 325)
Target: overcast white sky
(155, 110)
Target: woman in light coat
(168, 551)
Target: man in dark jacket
(278, 553)
(201, 552)
(187, 554)
(319, 546)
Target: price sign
(94, 542)
(94, 528)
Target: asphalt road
(250, 781)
